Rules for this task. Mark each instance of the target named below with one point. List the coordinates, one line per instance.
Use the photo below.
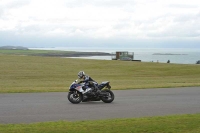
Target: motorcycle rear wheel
(109, 98)
(75, 97)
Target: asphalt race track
(41, 107)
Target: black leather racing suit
(90, 82)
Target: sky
(100, 23)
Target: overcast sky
(106, 23)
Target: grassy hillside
(46, 74)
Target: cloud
(97, 19)
(182, 6)
(1, 11)
(17, 4)
(100, 3)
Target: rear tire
(109, 98)
(75, 97)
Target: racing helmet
(81, 74)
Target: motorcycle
(80, 92)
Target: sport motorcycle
(82, 92)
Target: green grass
(165, 124)
(48, 74)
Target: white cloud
(131, 19)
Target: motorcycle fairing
(103, 84)
(76, 87)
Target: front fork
(75, 93)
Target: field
(165, 124)
(32, 74)
(22, 73)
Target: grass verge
(165, 124)
(51, 74)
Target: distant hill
(14, 47)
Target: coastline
(177, 56)
(50, 53)
(73, 54)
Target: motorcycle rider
(88, 80)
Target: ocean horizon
(162, 55)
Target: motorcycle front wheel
(75, 97)
(108, 96)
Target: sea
(161, 55)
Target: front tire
(75, 97)
(109, 96)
